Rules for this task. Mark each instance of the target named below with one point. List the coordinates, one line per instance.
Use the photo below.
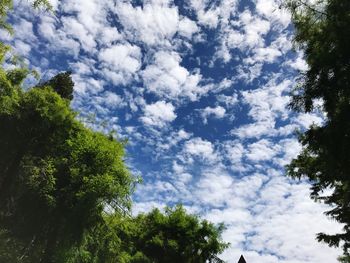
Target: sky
(199, 88)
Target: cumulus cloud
(213, 188)
(158, 114)
(216, 112)
(120, 62)
(211, 16)
(155, 23)
(166, 78)
(197, 147)
(139, 67)
(229, 101)
(262, 150)
(267, 104)
(271, 10)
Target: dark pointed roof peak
(241, 260)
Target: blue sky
(200, 90)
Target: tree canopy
(322, 32)
(56, 175)
(172, 236)
(62, 186)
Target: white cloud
(85, 86)
(110, 100)
(91, 14)
(290, 149)
(166, 78)
(58, 39)
(187, 27)
(213, 188)
(158, 114)
(266, 54)
(267, 104)
(298, 64)
(235, 151)
(271, 10)
(154, 24)
(76, 30)
(254, 29)
(200, 148)
(216, 112)
(262, 150)
(229, 101)
(305, 120)
(22, 48)
(249, 72)
(120, 62)
(211, 16)
(122, 57)
(24, 31)
(254, 130)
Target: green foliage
(56, 176)
(344, 259)
(5, 7)
(173, 236)
(61, 83)
(177, 237)
(323, 33)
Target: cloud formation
(201, 90)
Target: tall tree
(56, 176)
(322, 32)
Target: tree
(322, 31)
(56, 176)
(172, 236)
(61, 83)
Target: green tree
(322, 31)
(62, 83)
(56, 176)
(175, 236)
(172, 236)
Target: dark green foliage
(173, 236)
(323, 33)
(177, 237)
(61, 83)
(344, 259)
(56, 176)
